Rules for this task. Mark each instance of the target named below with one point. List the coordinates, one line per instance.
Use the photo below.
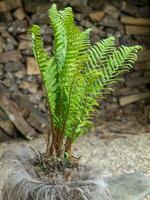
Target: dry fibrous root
(22, 181)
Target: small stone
(79, 16)
(4, 6)
(7, 35)
(86, 24)
(15, 4)
(127, 40)
(33, 89)
(3, 27)
(12, 66)
(46, 30)
(28, 86)
(24, 36)
(144, 11)
(32, 79)
(9, 79)
(129, 8)
(24, 85)
(96, 4)
(6, 125)
(24, 44)
(112, 10)
(27, 52)
(110, 31)
(34, 98)
(1, 71)
(32, 66)
(18, 26)
(3, 136)
(40, 18)
(6, 17)
(109, 21)
(12, 56)
(42, 8)
(96, 16)
(30, 7)
(78, 4)
(19, 14)
(1, 44)
(9, 46)
(20, 74)
(42, 107)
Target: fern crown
(77, 73)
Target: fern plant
(75, 76)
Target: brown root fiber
(22, 182)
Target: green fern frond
(60, 40)
(119, 62)
(47, 67)
(98, 53)
(77, 73)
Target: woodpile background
(22, 102)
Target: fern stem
(68, 145)
(67, 114)
(51, 118)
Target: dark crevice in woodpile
(128, 21)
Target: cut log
(7, 5)
(32, 66)
(137, 81)
(143, 56)
(142, 66)
(129, 8)
(135, 21)
(112, 10)
(125, 100)
(148, 112)
(126, 91)
(3, 90)
(109, 21)
(24, 44)
(147, 74)
(7, 125)
(42, 8)
(40, 121)
(15, 3)
(3, 136)
(96, 16)
(6, 35)
(18, 26)
(4, 6)
(30, 7)
(13, 56)
(31, 87)
(10, 108)
(19, 14)
(2, 44)
(137, 30)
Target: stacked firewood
(128, 21)
(18, 116)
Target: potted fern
(75, 76)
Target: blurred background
(126, 111)
(120, 142)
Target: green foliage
(77, 73)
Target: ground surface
(111, 157)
